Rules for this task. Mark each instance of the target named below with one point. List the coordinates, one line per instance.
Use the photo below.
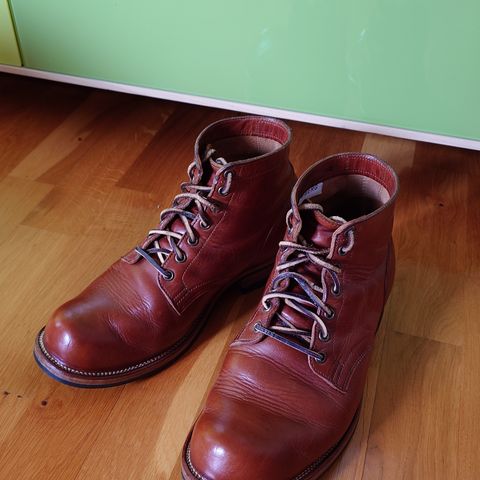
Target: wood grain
(83, 175)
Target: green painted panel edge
(398, 63)
(9, 52)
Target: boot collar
(263, 127)
(341, 164)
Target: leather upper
(273, 410)
(131, 312)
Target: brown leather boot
(224, 227)
(287, 399)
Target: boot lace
(312, 300)
(193, 194)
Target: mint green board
(9, 53)
(403, 63)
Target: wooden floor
(83, 175)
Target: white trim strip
(247, 108)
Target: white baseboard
(247, 108)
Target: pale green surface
(8, 43)
(404, 63)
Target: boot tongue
(215, 165)
(318, 229)
(216, 161)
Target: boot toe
(70, 340)
(218, 454)
(91, 334)
(236, 447)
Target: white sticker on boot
(312, 192)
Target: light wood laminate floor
(84, 174)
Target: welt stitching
(104, 373)
(193, 470)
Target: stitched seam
(354, 367)
(361, 172)
(361, 156)
(187, 290)
(317, 369)
(179, 297)
(337, 372)
(261, 135)
(262, 121)
(326, 378)
(234, 280)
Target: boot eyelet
(192, 242)
(218, 161)
(325, 338)
(329, 315)
(267, 306)
(342, 252)
(321, 359)
(222, 190)
(205, 225)
(335, 290)
(180, 258)
(168, 275)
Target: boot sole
(69, 376)
(313, 472)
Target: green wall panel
(9, 53)
(403, 63)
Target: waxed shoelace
(312, 301)
(192, 193)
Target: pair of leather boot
(287, 398)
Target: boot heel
(255, 279)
